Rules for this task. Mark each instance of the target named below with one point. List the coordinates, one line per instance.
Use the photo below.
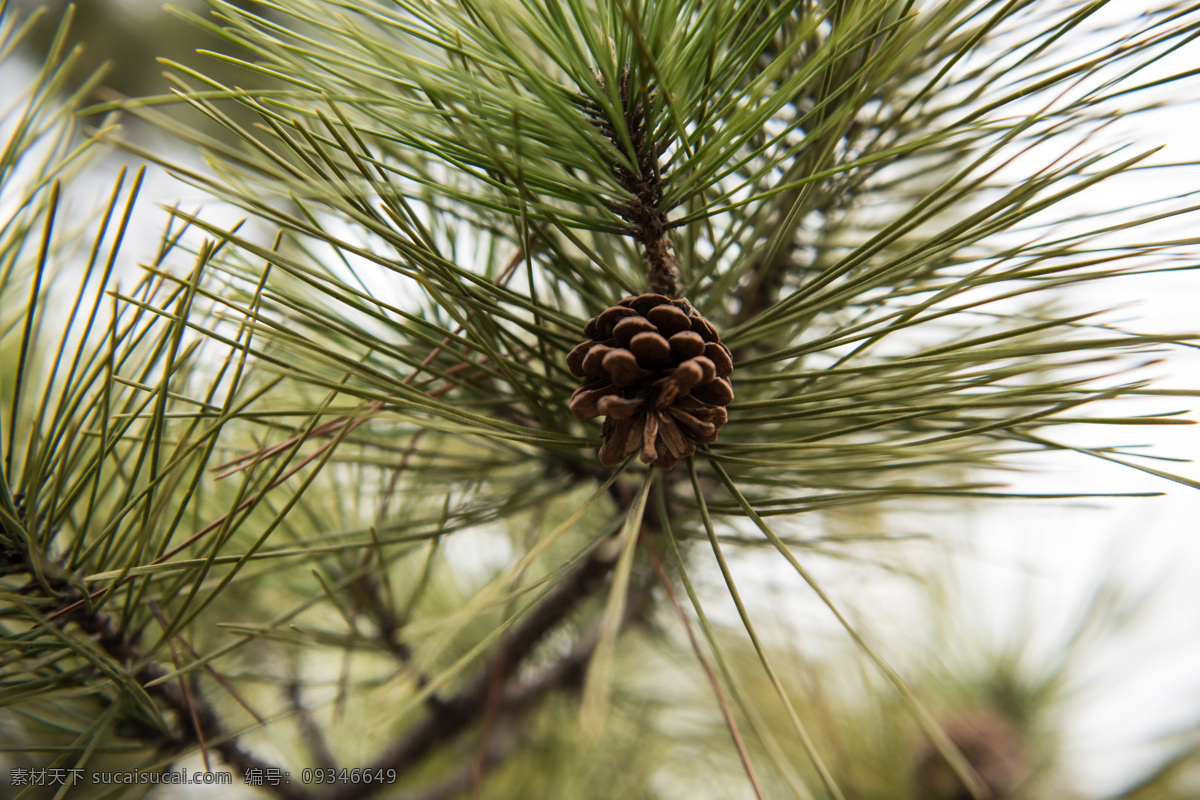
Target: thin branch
(313, 738)
(645, 183)
(195, 720)
(456, 714)
(165, 622)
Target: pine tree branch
(644, 183)
(567, 674)
(195, 720)
(456, 714)
(198, 724)
(314, 739)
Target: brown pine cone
(659, 373)
(991, 744)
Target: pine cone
(659, 373)
(992, 746)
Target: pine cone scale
(699, 431)
(609, 319)
(620, 407)
(584, 403)
(622, 367)
(717, 393)
(650, 348)
(669, 320)
(625, 330)
(720, 358)
(686, 344)
(621, 439)
(677, 444)
(708, 369)
(576, 356)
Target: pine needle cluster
(308, 492)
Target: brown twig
(491, 726)
(460, 711)
(196, 723)
(186, 693)
(644, 184)
(309, 729)
(230, 689)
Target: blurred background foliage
(124, 36)
(121, 42)
(371, 595)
